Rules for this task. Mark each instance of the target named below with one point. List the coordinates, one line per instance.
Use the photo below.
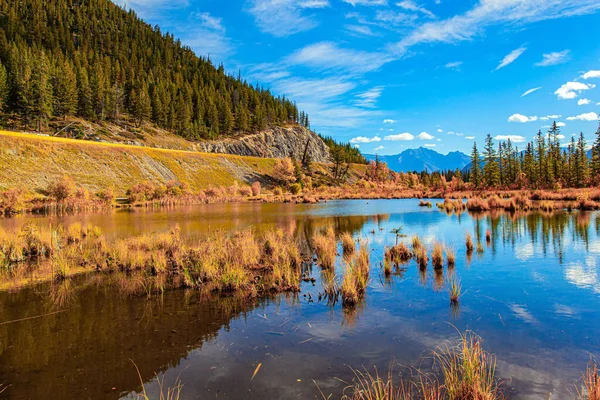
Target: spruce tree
(491, 173)
(40, 92)
(596, 157)
(3, 88)
(475, 166)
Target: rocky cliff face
(273, 143)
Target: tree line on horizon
(94, 60)
(544, 163)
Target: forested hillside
(94, 60)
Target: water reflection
(533, 295)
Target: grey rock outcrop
(276, 142)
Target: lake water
(533, 296)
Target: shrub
(284, 171)
(106, 196)
(245, 191)
(278, 191)
(295, 188)
(256, 188)
(63, 189)
(11, 201)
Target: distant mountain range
(423, 159)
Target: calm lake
(533, 296)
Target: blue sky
(389, 75)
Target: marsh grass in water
(326, 248)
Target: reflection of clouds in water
(565, 311)
(595, 247)
(538, 277)
(524, 252)
(522, 313)
(591, 261)
(584, 277)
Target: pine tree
(491, 173)
(596, 157)
(64, 83)
(581, 161)
(3, 88)
(542, 172)
(40, 92)
(475, 166)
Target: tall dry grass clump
(590, 389)
(437, 256)
(454, 290)
(416, 243)
(450, 257)
(469, 243)
(326, 248)
(468, 371)
(398, 254)
(348, 245)
(356, 277)
(421, 257)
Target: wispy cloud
(389, 121)
(379, 148)
(570, 90)
(470, 137)
(528, 92)
(520, 118)
(366, 2)
(511, 57)
(549, 117)
(559, 57)
(455, 65)
(285, 17)
(328, 56)
(369, 98)
(412, 6)
(493, 12)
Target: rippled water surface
(533, 296)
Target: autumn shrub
(256, 188)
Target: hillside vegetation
(33, 162)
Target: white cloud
(548, 117)
(440, 130)
(528, 92)
(470, 137)
(430, 145)
(363, 139)
(520, 118)
(284, 17)
(454, 65)
(487, 13)
(206, 36)
(366, 2)
(379, 148)
(512, 138)
(591, 74)
(583, 102)
(511, 57)
(208, 21)
(570, 89)
(389, 121)
(369, 98)
(591, 116)
(555, 58)
(400, 137)
(357, 146)
(328, 56)
(425, 136)
(412, 6)
(360, 30)
(561, 124)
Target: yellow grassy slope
(32, 162)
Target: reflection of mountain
(85, 351)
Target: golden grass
(398, 254)
(469, 243)
(468, 371)
(326, 248)
(450, 257)
(348, 245)
(454, 289)
(437, 256)
(421, 256)
(590, 389)
(223, 263)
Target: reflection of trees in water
(549, 230)
(83, 350)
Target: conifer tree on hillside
(3, 88)
(596, 157)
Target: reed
(348, 245)
(398, 254)
(371, 386)
(488, 236)
(468, 371)
(416, 243)
(469, 243)
(326, 248)
(450, 257)
(590, 389)
(421, 257)
(437, 256)
(455, 290)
